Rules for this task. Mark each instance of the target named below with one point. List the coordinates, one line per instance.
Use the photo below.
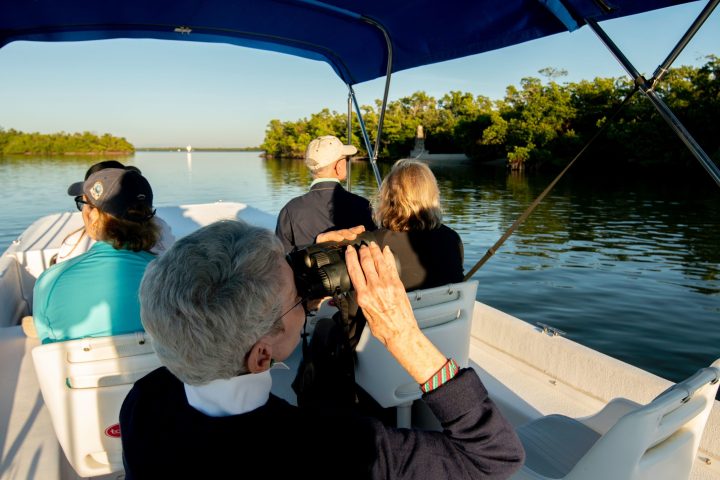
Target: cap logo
(96, 190)
(141, 196)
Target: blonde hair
(409, 198)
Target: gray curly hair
(211, 297)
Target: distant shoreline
(199, 149)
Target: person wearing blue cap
(96, 293)
(77, 242)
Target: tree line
(540, 123)
(14, 142)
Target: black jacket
(428, 258)
(327, 206)
(164, 437)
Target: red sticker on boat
(113, 431)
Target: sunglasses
(79, 202)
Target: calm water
(628, 268)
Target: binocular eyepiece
(320, 269)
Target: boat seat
(625, 440)
(444, 314)
(83, 383)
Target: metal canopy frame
(646, 86)
(373, 152)
(486, 26)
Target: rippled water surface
(630, 268)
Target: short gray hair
(211, 297)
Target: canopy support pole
(672, 56)
(388, 75)
(374, 152)
(366, 138)
(665, 112)
(349, 141)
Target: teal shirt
(92, 295)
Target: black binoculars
(320, 269)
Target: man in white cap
(327, 206)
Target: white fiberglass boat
(59, 431)
(529, 372)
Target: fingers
(357, 277)
(371, 260)
(333, 236)
(390, 261)
(340, 235)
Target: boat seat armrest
(96, 381)
(603, 420)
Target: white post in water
(419, 148)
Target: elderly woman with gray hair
(222, 307)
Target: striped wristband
(442, 376)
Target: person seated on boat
(222, 308)
(78, 241)
(327, 206)
(96, 294)
(408, 213)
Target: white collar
(232, 396)
(319, 180)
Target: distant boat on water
(189, 148)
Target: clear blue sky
(162, 93)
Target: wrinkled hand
(340, 235)
(380, 293)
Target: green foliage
(537, 124)
(14, 142)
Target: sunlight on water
(632, 270)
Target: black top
(327, 206)
(164, 437)
(428, 258)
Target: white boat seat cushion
(554, 444)
(657, 441)
(83, 383)
(444, 314)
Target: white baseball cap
(325, 150)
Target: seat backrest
(444, 315)
(83, 383)
(659, 440)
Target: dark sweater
(327, 206)
(428, 258)
(164, 437)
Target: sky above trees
(158, 93)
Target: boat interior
(580, 414)
(60, 401)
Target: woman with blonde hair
(408, 213)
